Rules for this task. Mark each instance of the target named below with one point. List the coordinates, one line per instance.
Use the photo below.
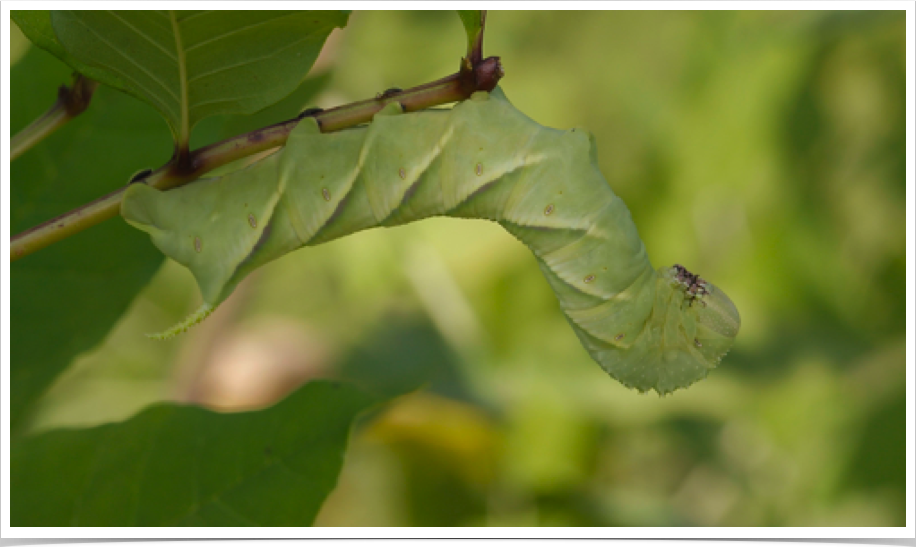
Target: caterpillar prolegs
(649, 329)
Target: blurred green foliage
(762, 149)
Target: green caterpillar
(649, 329)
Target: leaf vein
(130, 60)
(148, 38)
(195, 15)
(217, 101)
(249, 61)
(184, 132)
(235, 31)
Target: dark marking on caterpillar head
(548, 209)
(326, 194)
(694, 285)
(252, 221)
(309, 112)
(140, 175)
(589, 278)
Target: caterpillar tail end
(202, 313)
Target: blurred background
(764, 150)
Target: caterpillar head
(695, 324)
(665, 332)
(715, 314)
(692, 326)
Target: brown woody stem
(181, 170)
(71, 102)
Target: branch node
(75, 99)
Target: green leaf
(288, 108)
(36, 25)
(177, 465)
(473, 23)
(64, 299)
(194, 64)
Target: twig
(181, 170)
(71, 102)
